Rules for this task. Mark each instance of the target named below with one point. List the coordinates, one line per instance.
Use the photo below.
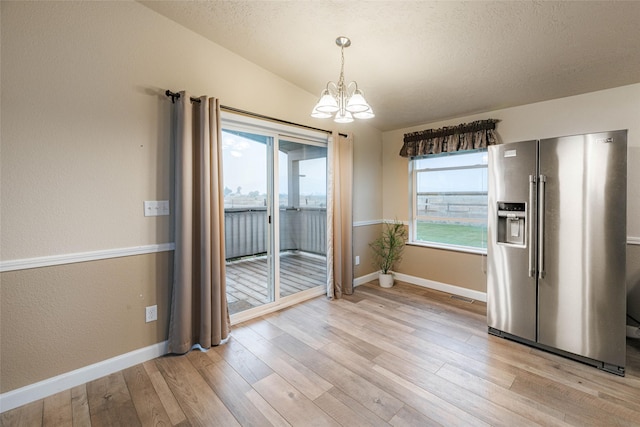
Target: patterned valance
(467, 136)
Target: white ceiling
(422, 61)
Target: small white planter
(386, 280)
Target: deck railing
(303, 229)
(452, 207)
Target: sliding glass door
(275, 197)
(302, 216)
(248, 236)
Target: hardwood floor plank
(544, 364)
(428, 404)
(371, 397)
(169, 402)
(291, 404)
(533, 410)
(200, 404)
(110, 403)
(80, 406)
(435, 396)
(250, 367)
(580, 408)
(297, 331)
(357, 407)
(232, 390)
(24, 416)
(409, 417)
(264, 329)
(626, 389)
(57, 410)
(319, 326)
(274, 418)
(292, 371)
(344, 414)
(375, 321)
(433, 322)
(345, 324)
(145, 399)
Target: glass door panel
(248, 230)
(302, 188)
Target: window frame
(413, 203)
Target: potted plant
(387, 250)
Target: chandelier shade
(327, 103)
(345, 100)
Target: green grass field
(454, 234)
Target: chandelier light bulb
(345, 117)
(364, 114)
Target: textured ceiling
(422, 61)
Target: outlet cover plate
(151, 313)
(156, 207)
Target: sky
(449, 179)
(245, 166)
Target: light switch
(156, 208)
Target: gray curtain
(199, 312)
(340, 216)
(466, 136)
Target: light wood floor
(404, 356)
(247, 279)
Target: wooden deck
(247, 279)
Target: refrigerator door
(511, 283)
(581, 290)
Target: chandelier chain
(341, 80)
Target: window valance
(466, 136)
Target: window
(449, 200)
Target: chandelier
(345, 100)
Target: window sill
(465, 249)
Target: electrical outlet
(357, 259)
(151, 313)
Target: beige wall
(617, 108)
(85, 140)
(362, 235)
(57, 319)
(86, 124)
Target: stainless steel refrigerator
(556, 245)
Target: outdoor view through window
(275, 217)
(245, 174)
(450, 199)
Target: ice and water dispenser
(512, 219)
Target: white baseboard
(365, 279)
(431, 284)
(444, 287)
(15, 398)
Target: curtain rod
(174, 96)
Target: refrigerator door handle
(532, 260)
(542, 180)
